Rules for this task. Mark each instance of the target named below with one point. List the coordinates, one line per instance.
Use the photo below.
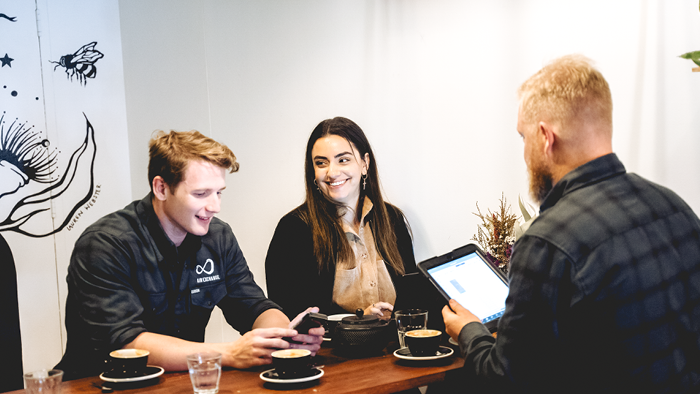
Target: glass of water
(44, 382)
(205, 372)
(408, 320)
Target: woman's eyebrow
(343, 154)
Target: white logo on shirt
(203, 269)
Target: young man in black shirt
(148, 276)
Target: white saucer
(325, 339)
(151, 372)
(453, 342)
(272, 377)
(405, 354)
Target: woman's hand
(380, 309)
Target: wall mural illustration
(26, 160)
(44, 187)
(81, 64)
(6, 61)
(53, 183)
(11, 19)
(9, 309)
(25, 157)
(22, 157)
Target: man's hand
(252, 349)
(311, 341)
(455, 321)
(255, 347)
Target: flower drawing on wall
(24, 156)
(81, 64)
(29, 179)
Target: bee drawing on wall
(81, 64)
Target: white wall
(56, 107)
(432, 84)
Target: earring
(364, 181)
(316, 183)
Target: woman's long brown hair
(321, 213)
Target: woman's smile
(338, 183)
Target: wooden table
(382, 373)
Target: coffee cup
(128, 362)
(291, 361)
(423, 343)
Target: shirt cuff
(262, 306)
(469, 333)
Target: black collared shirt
(604, 293)
(126, 277)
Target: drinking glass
(44, 382)
(205, 372)
(410, 319)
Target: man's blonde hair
(569, 89)
(170, 153)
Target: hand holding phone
(309, 321)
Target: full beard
(540, 181)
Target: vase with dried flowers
(499, 230)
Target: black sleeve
(414, 290)
(103, 310)
(291, 270)
(532, 332)
(404, 241)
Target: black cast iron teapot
(359, 335)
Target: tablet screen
(472, 283)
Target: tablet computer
(466, 275)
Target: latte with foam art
(291, 353)
(423, 333)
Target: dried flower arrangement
(496, 233)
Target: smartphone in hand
(309, 321)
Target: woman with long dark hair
(344, 247)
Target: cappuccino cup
(127, 362)
(291, 361)
(422, 343)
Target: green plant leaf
(526, 214)
(694, 56)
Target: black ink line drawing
(11, 19)
(36, 166)
(6, 61)
(25, 159)
(81, 64)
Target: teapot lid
(361, 318)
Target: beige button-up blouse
(365, 280)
